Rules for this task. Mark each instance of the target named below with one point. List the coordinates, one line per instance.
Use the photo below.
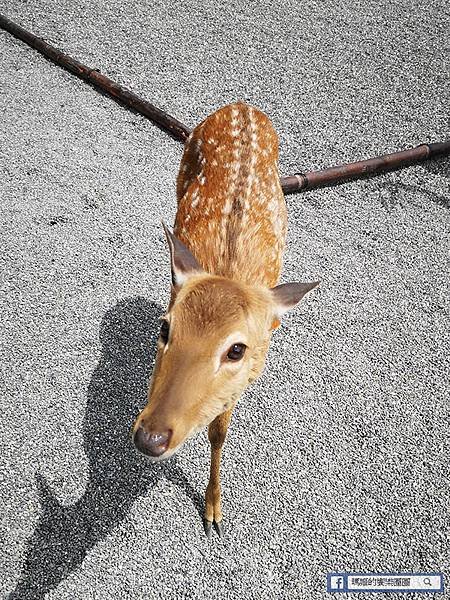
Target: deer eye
(236, 352)
(164, 331)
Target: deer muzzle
(152, 443)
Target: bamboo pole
(299, 182)
(97, 79)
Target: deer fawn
(226, 257)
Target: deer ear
(183, 262)
(287, 295)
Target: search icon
(427, 581)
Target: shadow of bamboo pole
(293, 183)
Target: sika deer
(226, 257)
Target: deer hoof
(218, 526)
(207, 525)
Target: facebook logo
(335, 583)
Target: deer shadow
(118, 475)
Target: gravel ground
(337, 459)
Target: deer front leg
(217, 431)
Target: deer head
(213, 342)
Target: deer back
(231, 208)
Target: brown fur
(247, 243)
(232, 218)
(185, 395)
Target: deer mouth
(162, 457)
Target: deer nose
(153, 443)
